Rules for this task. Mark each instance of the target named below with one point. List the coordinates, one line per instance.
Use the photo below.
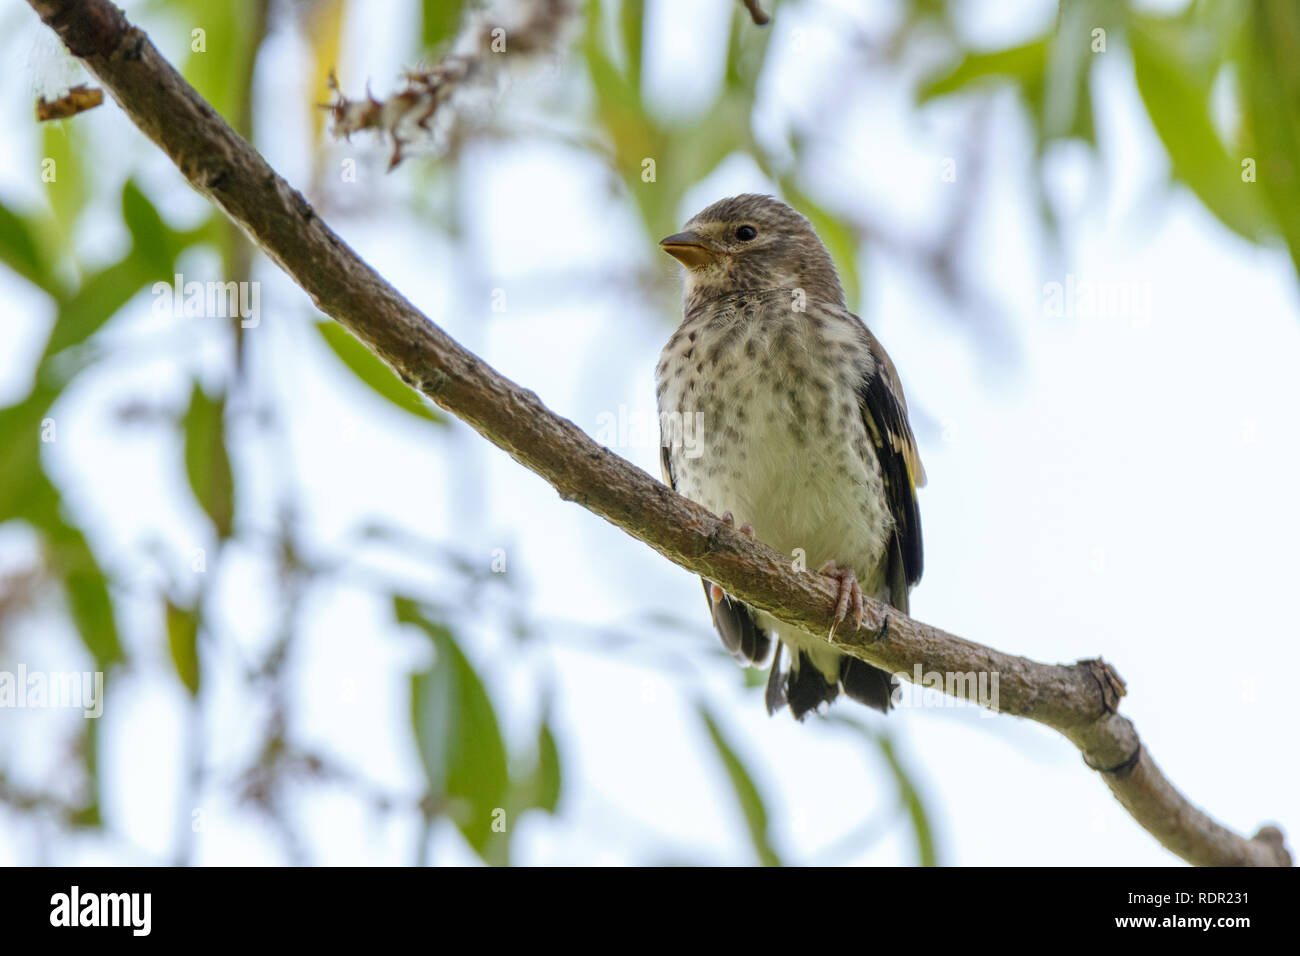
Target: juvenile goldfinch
(804, 435)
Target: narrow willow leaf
(746, 793)
(440, 20)
(459, 739)
(183, 642)
(207, 463)
(1023, 65)
(542, 787)
(374, 373)
(1177, 100)
(18, 248)
(910, 797)
(1271, 93)
(151, 239)
(69, 556)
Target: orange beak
(688, 248)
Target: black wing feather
(885, 416)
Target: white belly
(783, 448)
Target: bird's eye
(746, 233)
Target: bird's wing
(884, 411)
(666, 466)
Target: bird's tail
(866, 684)
(804, 687)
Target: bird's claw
(730, 521)
(716, 594)
(850, 596)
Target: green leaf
(1067, 101)
(207, 462)
(100, 297)
(1176, 94)
(631, 17)
(440, 21)
(1271, 94)
(183, 642)
(65, 145)
(150, 237)
(86, 588)
(629, 131)
(18, 249)
(912, 802)
(218, 70)
(746, 52)
(747, 795)
(908, 795)
(1023, 65)
(371, 370)
(25, 491)
(541, 789)
(458, 738)
(89, 815)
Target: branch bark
(1078, 700)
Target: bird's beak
(688, 248)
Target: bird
(802, 437)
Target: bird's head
(753, 243)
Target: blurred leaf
(89, 745)
(98, 299)
(440, 20)
(151, 239)
(542, 786)
(207, 462)
(183, 642)
(911, 800)
(87, 591)
(1024, 65)
(18, 249)
(65, 144)
(457, 734)
(746, 52)
(1271, 94)
(1067, 101)
(751, 803)
(908, 795)
(630, 132)
(1176, 94)
(218, 70)
(371, 370)
(631, 16)
(20, 476)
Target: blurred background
(337, 627)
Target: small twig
(760, 17)
(481, 50)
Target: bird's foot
(850, 595)
(715, 592)
(730, 521)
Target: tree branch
(1079, 700)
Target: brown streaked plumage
(805, 434)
